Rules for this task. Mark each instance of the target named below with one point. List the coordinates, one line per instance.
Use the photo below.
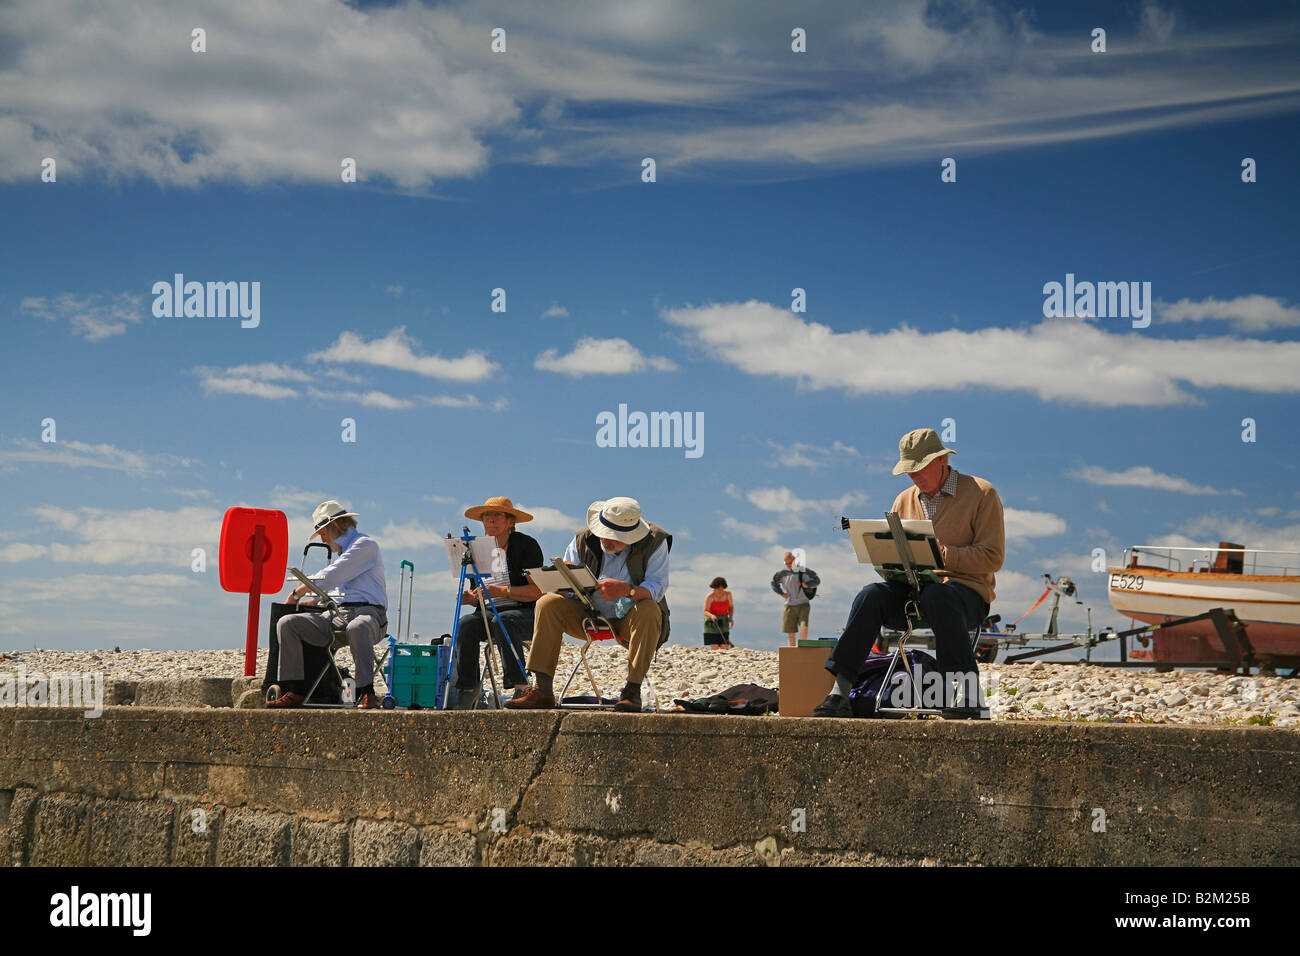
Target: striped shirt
(931, 505)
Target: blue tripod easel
(469, 572)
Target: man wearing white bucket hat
(629, 558)
(355, 579)
(967, 516)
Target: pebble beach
(1024, 691)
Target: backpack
(865, 694)
(808, 592)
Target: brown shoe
(368, 702)
(630, 702)
(287, 699)
(533, 700)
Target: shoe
(964, 713)
(533, 700)
(286, 700)
(835, 705)
(368, 702)
(630, 700)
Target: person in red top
(719, 612)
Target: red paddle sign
(254, 558)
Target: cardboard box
(804, 679)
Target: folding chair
(338, 641)
(595, 627)
(915, 578)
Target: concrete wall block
(184, 692)
(318, 843)
(197, 827)
(254, 838)
(17, 814)
(61, 831)
(442, 847)
(131, 833)
(384, 843)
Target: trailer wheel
(273, 693)
(389, 703)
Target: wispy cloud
(556, 311)
(401, 352)
(1143, 476)
(93, 317)
(1248, 313)
(602, 357)
(806, 455)
(78, 454)
(1068, 360)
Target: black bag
(741, 699)
(314, 659)
(810, 592)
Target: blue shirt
(615, 566)
(356, 576)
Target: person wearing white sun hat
(629, 558)
(355, 579)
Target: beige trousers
(557, 616)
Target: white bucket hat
(326, 512)
(618, 519)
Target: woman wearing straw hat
(514, 597)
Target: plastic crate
(415, 674)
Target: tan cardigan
(969, 527)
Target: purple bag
(867, 689)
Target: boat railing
(1203, 559)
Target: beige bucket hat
(618, 519)
(917, 449)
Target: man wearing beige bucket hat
(967, 516)
(514, 598)
(629, 558)
(355, 579)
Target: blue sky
(522, 171)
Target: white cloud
(131, 536)
(785, 501)
(77, 454)
(1248, 313)
(425, 93)
(370, 399)
(1210, 529)
(550, 519)
(409, 536)
(1031, 524)
(806, 455)
(556, 311)
(771, 533)
(602, 357)
(1066, 360)
(1143, 476)
(290, 499)
(399, 351)
(93, 317)
(395, 290)
(263, 103)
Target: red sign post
(254, 558)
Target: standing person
(793, 585)
(514, 599)
(967, 516)
(629, 558)
(719, 615)
(355, 579)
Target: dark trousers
(951, 610)
(519, 625)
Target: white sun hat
(618, 519)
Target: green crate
(415, 677)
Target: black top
(523, 553)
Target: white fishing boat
(1158, 584)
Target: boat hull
(1269, 606)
